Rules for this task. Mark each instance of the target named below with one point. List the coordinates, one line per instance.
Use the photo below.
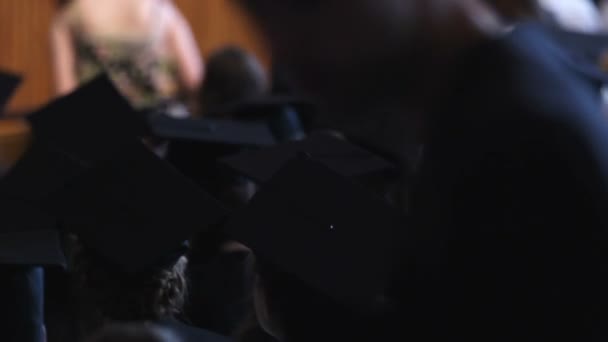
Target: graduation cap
(258, 105)
(89, 123)
(29, 235)
(39, 173)
(212, 131)
(134, 210)
(284, 114)
(336, 153)
(331, 234)
(195, 145)
(8, 84)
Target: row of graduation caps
(87, 175)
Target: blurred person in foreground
(146, 46)
(507, 235)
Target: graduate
(131, 217)
(129, 212)
(508, 232)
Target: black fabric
(22, 298)
(29, 235)
(510, 207)
(220, 291)
(39, 246)
(89, 124)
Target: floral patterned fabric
(137, 67)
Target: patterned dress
(137, 66)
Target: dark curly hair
(106, 294)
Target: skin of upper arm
(63, 57)
(185, 51)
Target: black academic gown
(21, 304)
(509, 217)
(187, 333)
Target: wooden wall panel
(24, 40)
(24, 47)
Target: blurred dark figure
(22, 304)
(22, 285)
(134, 333)
(507, 238)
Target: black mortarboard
(28, 236)
(337, 153)
(316, 225)
(39, 173)
(196, 145)
(212, 131)
(90, 122)
(284, 114)
(257, 105)
(8, 84)
(134, 210)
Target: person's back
(144, 45)
(513, 222)
(507, 236)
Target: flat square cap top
(330, 233)
(90, 122)
(135, 210)
(336, 153)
